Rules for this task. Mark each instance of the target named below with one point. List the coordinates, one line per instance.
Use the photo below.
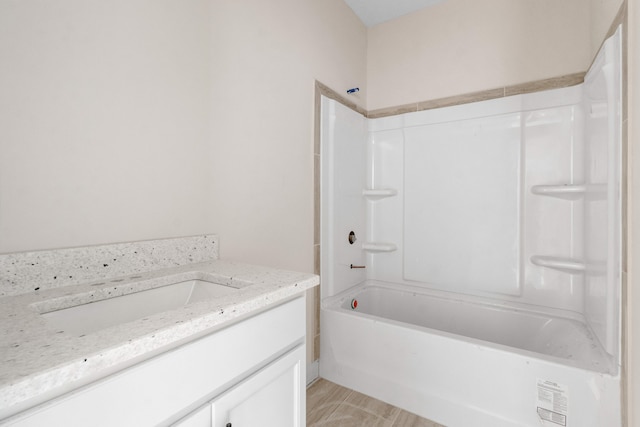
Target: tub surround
(39, 362)
(485, 95)
(530, 242)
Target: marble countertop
(38, 362)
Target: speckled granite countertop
(38, 362)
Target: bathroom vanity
(215, 357)
(253, 368)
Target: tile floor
(329, 404)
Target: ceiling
(373, 12)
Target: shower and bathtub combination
(490, 236)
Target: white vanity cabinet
(251, 373)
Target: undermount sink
(94, 316)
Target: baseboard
(313, 371)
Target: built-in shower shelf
(379, 247)
(571, 191)
(568, 265)
(565, 191)
(375, 194)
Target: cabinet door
(273, 397)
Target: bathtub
(468, 362)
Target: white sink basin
(94, 316)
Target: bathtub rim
(442, 402)
(327, 302)
(335, 304)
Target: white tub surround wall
(512, 205)
(502, 203)
(602, 196)
(342, 164)
(40, 361)
(24, 272)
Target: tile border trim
(483, 95)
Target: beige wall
(267, 56)
(104, 111)
(138, 119)
(603, 13)
(633, 288)
(128, 120)
(462, 46)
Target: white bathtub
(465, 362)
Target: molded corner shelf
(570, 191)
(568, 265)
(379, 247)
(374, 194)
(565, 191)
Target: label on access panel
(552, 403)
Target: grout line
(348, 395)
(332, 412)
(373, 414)
(362, 409)
(393, 422)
